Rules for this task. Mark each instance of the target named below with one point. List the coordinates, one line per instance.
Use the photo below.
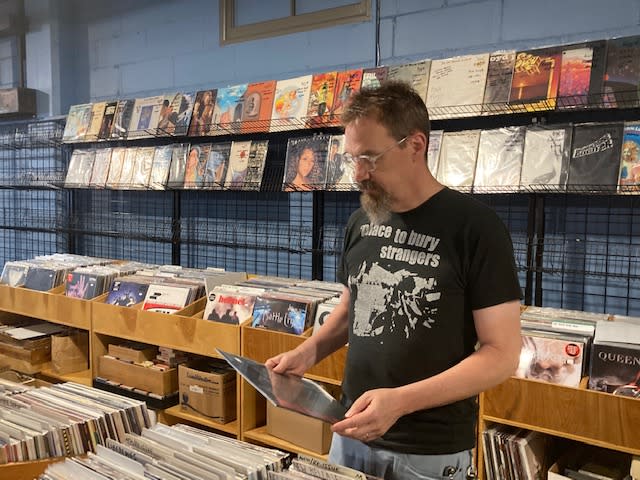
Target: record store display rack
(576, 243)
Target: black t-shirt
(413, 283)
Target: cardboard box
(17, 101)
(133, 352)
(208, 393)
(306, 432)
(70, 352)
(136, 376)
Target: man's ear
(418, 142)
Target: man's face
(367, 137)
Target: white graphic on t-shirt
(391, 302)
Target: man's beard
(375, 202)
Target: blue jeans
(398, 466)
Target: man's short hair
(393, 104)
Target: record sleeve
(196, 166)
(536, 75)
(498, 84)
(97, 114)
(126, 294)
(237, 159)
(457, 82)
(258, 104)
(101, 165)
(347, 83)
(340, 171)
(107, 120)
(595, 157)
(290, 103)
(294, 393)
(622, 77)
(145, 116)
(629, 178)
(500, 159)
(582, 75)
(178, 165)
(545, 163)
(161, 166)
(433, 152)
(305, 164)
(115, 167)
(122, 119)
(78, 121)
(228, 110)
(202, 113)
(374, 77)
(415, 74)
(255, 168)
(458, 159)
(323, 86)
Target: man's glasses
(368, 162)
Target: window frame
(358, 11)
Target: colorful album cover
(78, 121)
(347, 83)
(202, 113)
(323, 87)
(290, 103)
(536, 76)
(374, 77)
(145, 116)
(582, 74)
(81, 285)
(305, 164)
(195, 174)
(228, 307)
(340, 171)
(629, 178)
(126, 294)
(280, 315)
(228, 110)
(258, 104)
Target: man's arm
(333, 335)
(498, 330)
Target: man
(428, 274)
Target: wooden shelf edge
(83, 377)
(562, 434)
(176, 411)
(260, 435)
(27, 470)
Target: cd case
(288, 391)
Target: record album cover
(595, 157)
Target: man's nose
(361, 172)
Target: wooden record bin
(55, 307)
(185, 330)
(588, 416)
(260, 344)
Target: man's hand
(293, 362)
(370, 416)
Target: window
(242, 20)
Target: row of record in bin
(588, 157)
